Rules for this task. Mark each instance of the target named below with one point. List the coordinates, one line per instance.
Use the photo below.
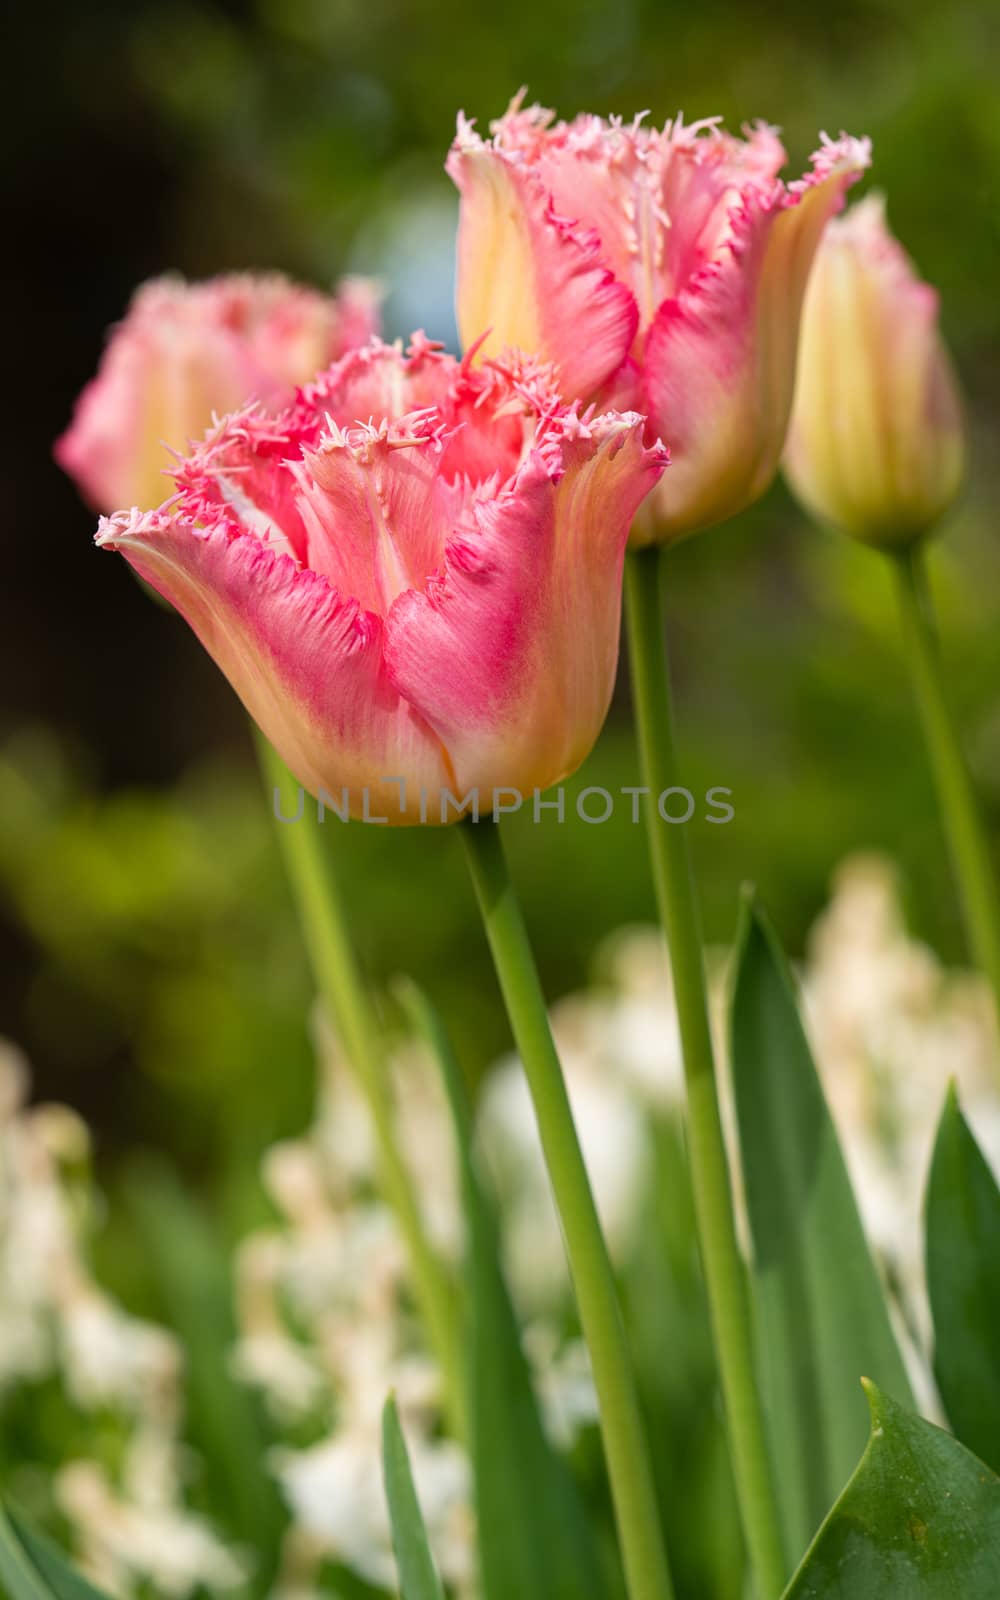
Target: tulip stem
(324, 923)
(963, 823)
(647, 1574)
(725, 1273)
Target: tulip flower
(188, 352)
(664, 270)
(876, 441)
(411, 577)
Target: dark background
(150, 965)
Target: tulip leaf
(33, 1568)
(963, 1280)
(919, 1520)
(820, 1307)
(535, 1540)
(418, 1576)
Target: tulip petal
(251, 466)
(376, 381)
(187, 352)
(720, 356)
(510, 653)
(242, 472)
(369, 498)
(307, 665)
(529, 278)
(658, 201)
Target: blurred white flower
(638, 1016)
(619, 1045)
(336, 1494)
(267, 1355)
(126, 1544)
(39, 1259)
(326, 1328)
(109, 1358)
(564, 1382)
(343, 1136)
(15, 1081)
(613, 1135)
(133, 1533)
(890, 1028)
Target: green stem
(963, 823)
(725, 1273)
(324, 921)
(646, 1572)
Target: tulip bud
(186, 352)
(876, 440)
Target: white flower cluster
(326, 1320)
(326, 1331)
(323, 1304)
(132, 1531)
(891, 1027)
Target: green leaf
(418, 1578)
(535, 1540)
(820, 1306)
(33, 1568)
(919, 1520)
(963, 1280)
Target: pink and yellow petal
(656, 200)
(188, 352)
(379, 381)
(531, 279)
(368, 497)
(307, 665)
(510, 653)
(720, 357)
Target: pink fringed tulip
(411, 578)
(662, 269)
(188, 352)
(876, 443)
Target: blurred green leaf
(535, 1541)
(919, 1520)
(418, 1578)
(821, 1310)
(33, 1568)
(963, 1280)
